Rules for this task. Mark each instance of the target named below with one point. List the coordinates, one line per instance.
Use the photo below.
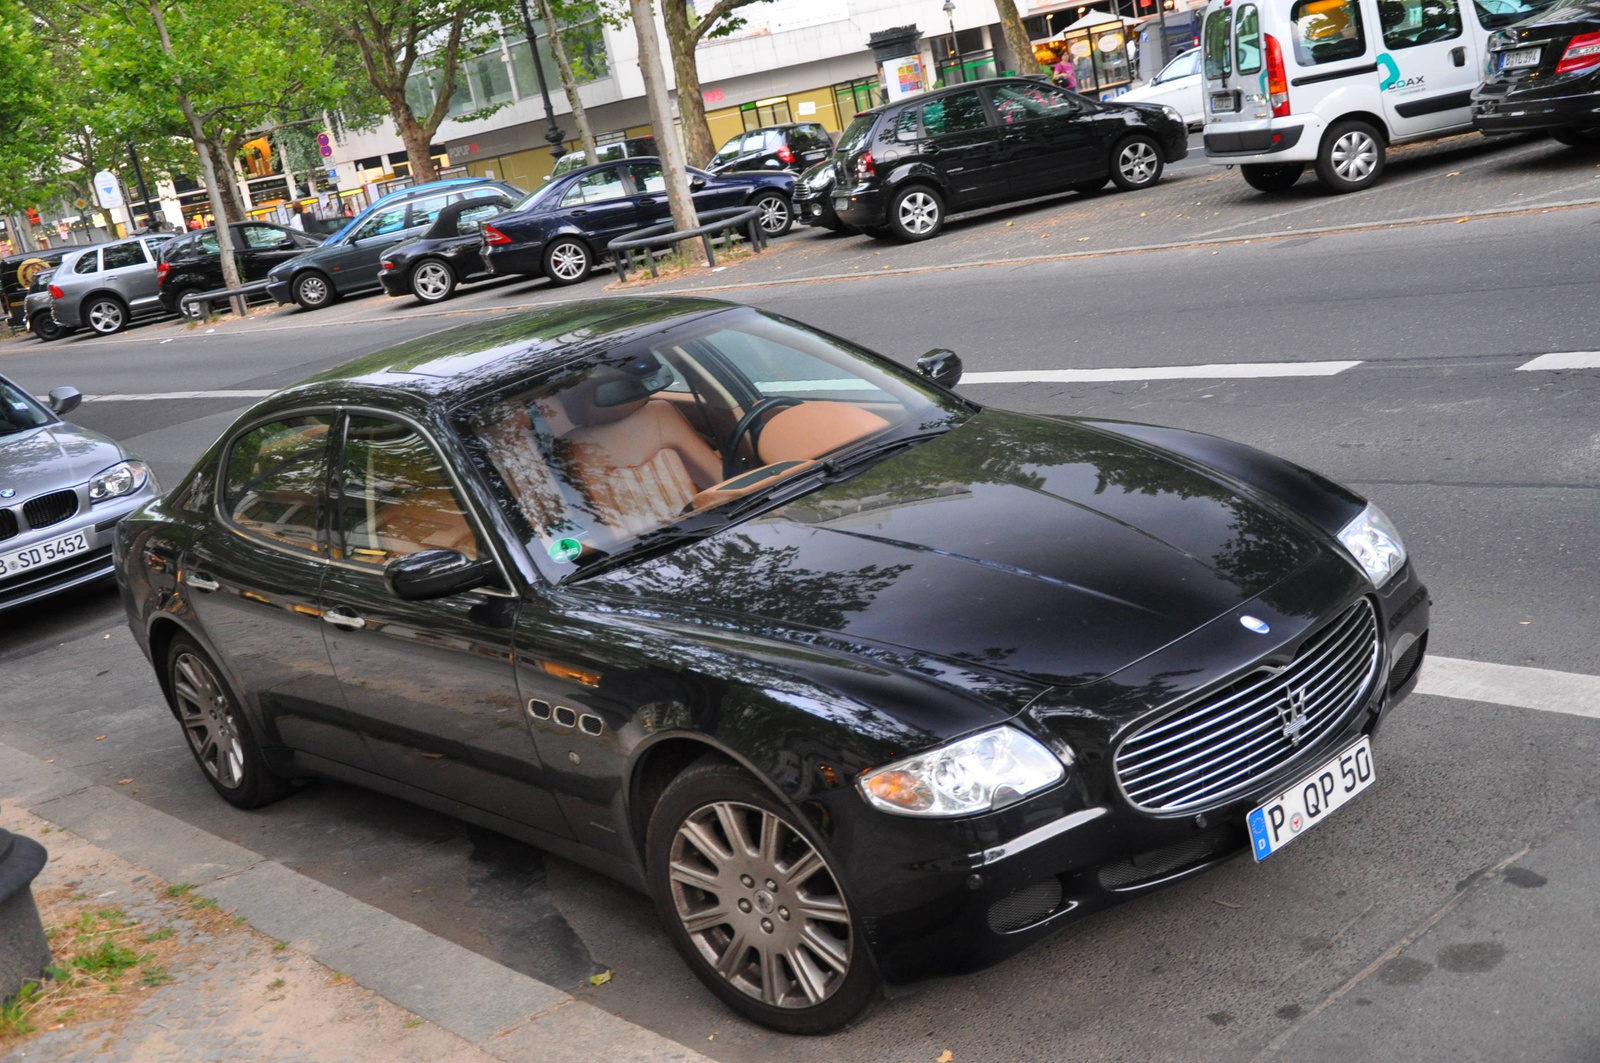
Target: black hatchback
(902, 167)
(792, 146)
(1544, 74)
(192, 264)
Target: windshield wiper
(850, 459)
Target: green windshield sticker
(565, 550)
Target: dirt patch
(690, 264)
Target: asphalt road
(1448, 913)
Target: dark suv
(793, 146)
(193, 264)
(902, 167)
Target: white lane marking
(159, 396)
(1569, 360)
(1508, 684)
(1227, 371)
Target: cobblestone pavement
(234, 995)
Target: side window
(1016, 103)
(274, 480)
(1324, 31)
(1408, 23)
(423, 211)
(471, 219)
(386, 220)
(395, 498)
(647, 177)
(120, 255)
(907, 124)
(89, 263)
(596, 187)
(958, 113)
(263, 236)
(207, 242)
(1247, 40)
(1218, 23)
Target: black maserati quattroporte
(860, 680)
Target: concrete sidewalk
(399, 992)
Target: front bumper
(1500, 107)
(948, 897)
(98, 523)
(279, 290)
(810, 209)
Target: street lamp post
(955, 50)
(144, 193)
(552, 133)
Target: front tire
(752, 904)
(1278, 178)
(1137, 163)
(432, 281)
(777, 214)
(916, 213)
(567, 261)
(313, 291)
(218, 735)
(1351, 157)
(1576, 137)
(106, 314)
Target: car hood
(46, 459)
(1035, 547)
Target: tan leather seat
(813, 429)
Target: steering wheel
(730, 458)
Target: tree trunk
(682, 40)
(417, 141)
(1016, 37)
(568, 81)
(673, 167)
(227, 184)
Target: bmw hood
(1033, 547)
(46, 459)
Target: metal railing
(663, 237)
(200, 305)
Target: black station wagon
(859, 680)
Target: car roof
(934, 94)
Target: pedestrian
(1064, 75)
(297, 219)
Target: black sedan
(192, 264)
(903, 167)
(1544, 75)
(449, 253)
(861, 681)
(562, 230)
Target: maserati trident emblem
(1292, 715)
(1258, 626)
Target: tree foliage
(685, 32)
(30, 136)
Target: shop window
(491, 79)
(1323, 31)
(851, 97)
(766, 112)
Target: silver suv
(103, 288)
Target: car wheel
(777, 216)
(313, 291)
(916, 213)
(218, 734)
(45, 327)
(1351, 157)
(1089, 188)
(1136, 163)
(1279, 178)
(752, 904)
(432, 281)
(1577, 138)
(106, 314)
(191, 306)
(567, 261)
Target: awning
(1098, 18)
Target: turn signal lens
(1583, 51)
(1277, 79)
(899, 788)
(494, 236)
(979, 773)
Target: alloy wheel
(1137, 162)
(774, 215)
(761, 905)
(431, 281)
(919, 213)
(191, 306)
(569, 261)
(313, 290)
(1354, 156)
(208, 720)
(106, 316)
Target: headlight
(1375, 544)
(989, 770)
(123, 478)
(1172, 113)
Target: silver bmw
(62, 491)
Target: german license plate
(1522, 57)
(1224, 103)
(841, 202)
(42, 553)
(1309, 801)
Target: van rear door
(1430, 63)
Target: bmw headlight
(1374, 542)
(985, 771)
(123, 478)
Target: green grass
(276, 983)
(14, 1020)
(154, 975)
(413, 1023)
(158, 935)
(205, 903)
(280, 946)
(180, 889)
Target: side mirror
(941, 366)
(64, 400)
(696, 183)
(429, 574)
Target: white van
(1178, 86)
(1336, 82)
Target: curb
(504, 1012)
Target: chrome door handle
(201, 582)
(344, 618)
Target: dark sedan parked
(1544, 74)
(562, 230)
(901, 168)
(858, 679)
(192, 264)
(449, 253)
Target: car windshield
(689, 428)
(537, 196)
(18, 411)
(1497, 13)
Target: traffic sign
(107, 188)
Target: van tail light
(785, 156)
(162, 269)
(1583, 51)
(865, 167)
(56, 293)
(1277, 80)
(494, 237)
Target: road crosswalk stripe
(1508, 684)
(1220, 371)
(1568, 360)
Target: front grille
(1234, 737)
(1159, 863)
(50, 509)
(8, 524)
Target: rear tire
(567, 261)
(313, 291)
(916, 213)
(1137, 162)
(190, 306)
(432, 281)
(1351, 157)
(106, 314)
(218, 735)
(1278, 178)
(1576, 137)
(777, 213)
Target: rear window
(1325, 31)
(810, 138)
(856, 133)
(1247, 40)
(1494, 14)
(1218, 23)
